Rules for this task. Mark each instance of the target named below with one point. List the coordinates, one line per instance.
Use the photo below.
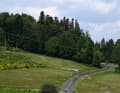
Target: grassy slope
(51, 71)
(13, 60)
(107, 82)
(6, 90)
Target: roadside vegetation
(105, 82)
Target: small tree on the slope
(48, 89)
(98, 57)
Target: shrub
(1, 67)
(117, 69)
(48, 88)
(14, 60)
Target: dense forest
(52, 36)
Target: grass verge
(106, 82)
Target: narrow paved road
(68, 86)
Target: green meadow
(107, 82)
(31, 71)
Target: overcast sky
(100, 17)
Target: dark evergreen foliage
(116, 54)
(52, 36)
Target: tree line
(55, 37)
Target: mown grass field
(107, 82)
(50, 70)
(9, 90)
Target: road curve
(68, 86)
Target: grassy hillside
(41, 70)
(9, 90)
(13, 60)
(107, 82)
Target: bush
(14, 49)
(48, 88)
(2, 48)
(14, 60)
(117, 70)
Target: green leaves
(51, 46)
(116, 53)
(52, 36)
(98, 58)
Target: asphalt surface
(68, 86)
